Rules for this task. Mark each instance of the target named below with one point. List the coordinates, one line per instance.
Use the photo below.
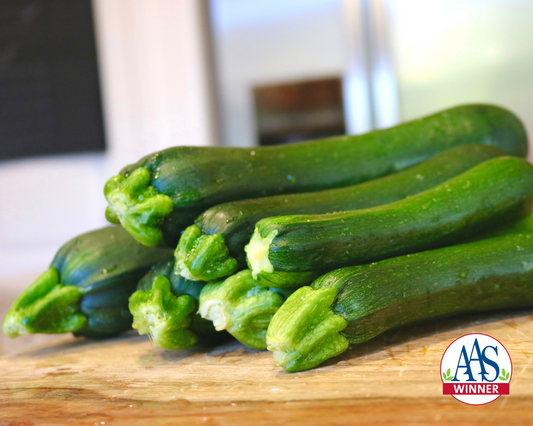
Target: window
(49, 88)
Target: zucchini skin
(486, 275)
(196, 178)
(494, 193)
(236, 220)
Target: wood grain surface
(394, 379)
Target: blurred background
(87, 87)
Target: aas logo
(476, 369)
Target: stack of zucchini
(302, 249)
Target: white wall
(46, 201)
(156, 86)
(156, 93)
(265, 41)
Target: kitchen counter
(394, 379)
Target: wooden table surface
(391, 380)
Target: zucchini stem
(242, 307)
(45, 307)
(137, 205)
(165, 317)
(202, 257)
(257, 253)
(305, 331)
(263, 270)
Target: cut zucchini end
(305, 331)
(46, 307)
(213, 310)
(165, 317)
(241, 307)
(137, 206)
(257, 253)
(201, 257)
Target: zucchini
(214, 247)
(241, 307)
(489, 195)
(85, 291)
(355, 304)
(164, 306)
(159, 196)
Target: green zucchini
(164, 306)
(85, 291)
(352, 305)
(159, 196)
(489, 195)
(241, 307)
(214, 247)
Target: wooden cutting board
(393, 379)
